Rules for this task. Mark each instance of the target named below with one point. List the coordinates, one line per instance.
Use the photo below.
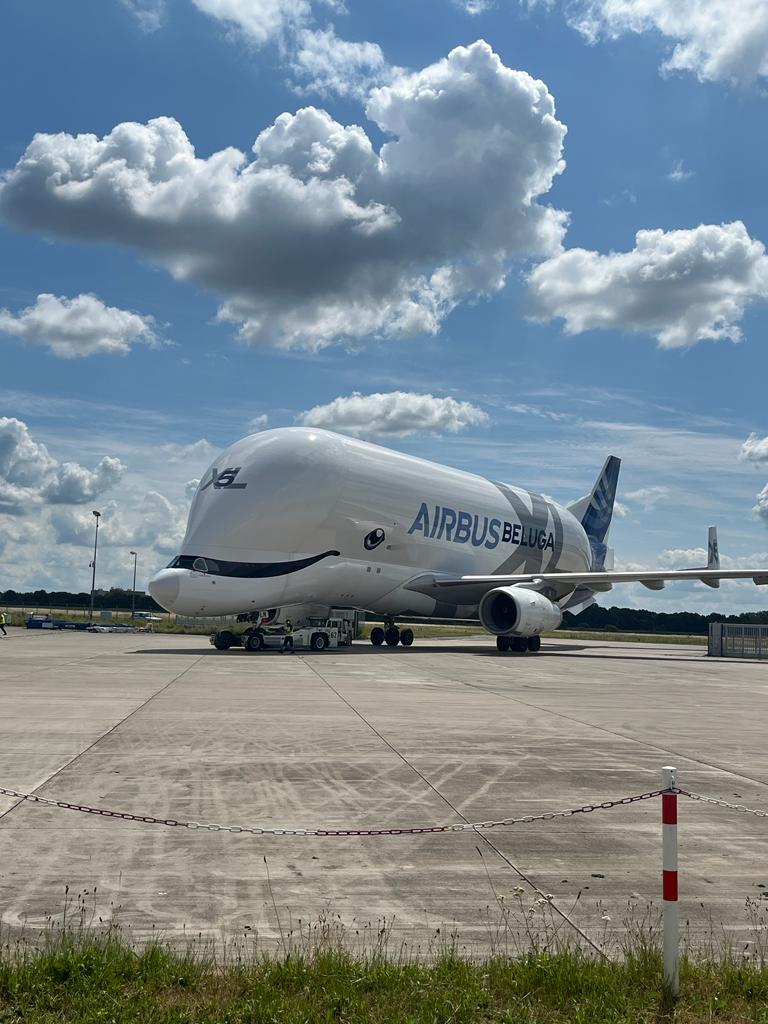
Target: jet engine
(514, 611)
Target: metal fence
(727, 640)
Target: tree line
(116, 599)
(640, 620)
(625, 620)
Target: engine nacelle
(514, 611)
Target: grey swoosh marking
(559, 539)
(525, 559)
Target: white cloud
(201, 451)
(319, 59)
(150, 14)
(258, 423)
(716, 40)
(679, 172)
(395, 413)
(81, 326)
(754, 449)
(319, 237)
(259, 21)
(761, 508)
(155, 524)
(648, 497)
(473, 7)
(30, 476)
(680, 286)
(328, 65)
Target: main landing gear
(391, 635)
(518, 644)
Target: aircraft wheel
(519, 644)
(406, 637)
(534, 644)
(377, 636)
(502, 643)
(223, 640)
(392, 636)
(255, 642)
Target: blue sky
(437, 267)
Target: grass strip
(82, 979)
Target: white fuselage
(277, 500)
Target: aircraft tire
(377, 636)
(223, 640)
(406, 637)
(255, 642)
(534, 644)
(392, 636)
(502, 644)
(519, 645)
(319, 642)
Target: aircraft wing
(468, 589)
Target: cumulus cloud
(318, 58)
(696, 558)
(30, 476)
(259, 21)
(258, 423)
(754, 449)
(761, 508)
(394, 413)
(328, 65)
(157, 524)
(716, 40)
(81, 326)
(682, 287)
(319, 237)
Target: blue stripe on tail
(597, 517)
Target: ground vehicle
(316, 635)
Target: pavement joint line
(480, 835)
(103, 736)
(619, 735)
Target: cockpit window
(245, 570)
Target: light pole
(93, 563)
(133, 592)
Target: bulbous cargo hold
(302, 516)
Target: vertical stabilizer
(713, 556)
(713, 552)
(595, 510)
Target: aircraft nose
(164, 588)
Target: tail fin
(713, 552)
(713, 556)
(595, 510)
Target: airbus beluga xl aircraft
(300, 520)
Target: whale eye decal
(373, 539)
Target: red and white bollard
(670, 917)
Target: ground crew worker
(288, 637)
(2, 623)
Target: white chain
(258, 830)
(723, 803)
